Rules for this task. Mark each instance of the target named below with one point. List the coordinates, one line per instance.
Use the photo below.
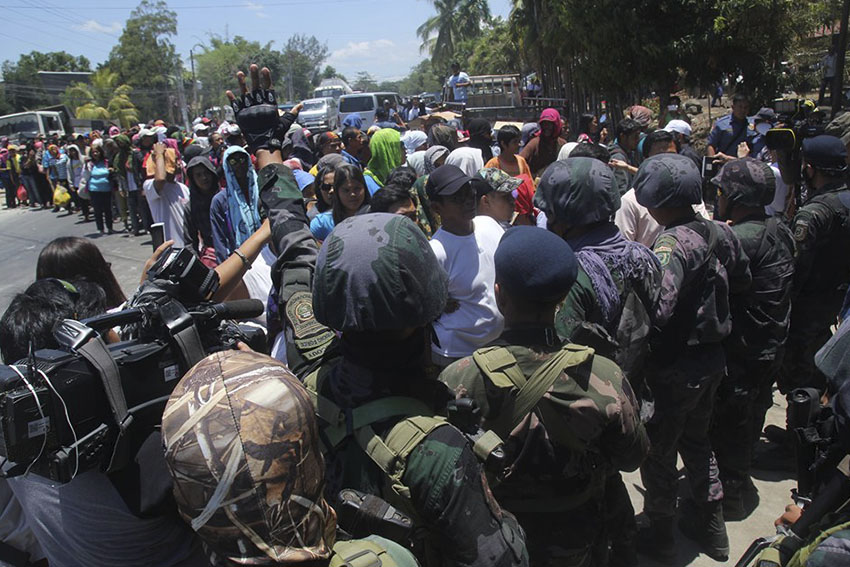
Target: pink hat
(38, 144)
(114, 131)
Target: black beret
(825, 151)
(668, 180)
(535, 264)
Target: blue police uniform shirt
(728, 132)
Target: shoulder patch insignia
(664, 249)
(801, 231)
(299, 312)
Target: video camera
(799, 119)
(91, 405)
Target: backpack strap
(500, 366)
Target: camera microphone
(238, 309)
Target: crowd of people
(482, 328)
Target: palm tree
(454, 21)
(101, 99)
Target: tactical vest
(389, 453)
(528, 396)
(831, 263)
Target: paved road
(24, 232)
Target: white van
(365, 105)
(23, 126)
(319, 114)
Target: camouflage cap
(577, 191)
(668, 180)
(242, 445)
(377, 272)
(499, 181)
(747, 182)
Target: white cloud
(97, 27)
(258, 9)
(383, 58)
(360, 50)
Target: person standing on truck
(459, 83)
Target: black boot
(740, 499)
(705, 525)
(656, 540)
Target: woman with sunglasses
(348, 197)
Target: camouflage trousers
(683, 408)
(743, 398)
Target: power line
(4, 34)
(258, 7)
(77, 21)
(60, 26)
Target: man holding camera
(821, 230)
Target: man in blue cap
(558, 447)
(702, 262)
(821, 230)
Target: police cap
(535, 264)
(577, 191)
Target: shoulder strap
(503, 370)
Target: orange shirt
(523, 166)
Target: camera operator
(828, 507)
(821, 229)
(87, 521)
(250, 414)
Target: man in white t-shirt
(465, 246)
(166, 198)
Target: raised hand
(256, 111)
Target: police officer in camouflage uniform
(376, 282)
(821, 231)
(609, 305)
(702, 261)
(760, 326)
(560, 446)
(242, 445)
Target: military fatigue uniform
(702, 262)
(557, 490)
(821, 231)
(754, 349)
(447, 490)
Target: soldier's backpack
(503, 371)
(373, 551)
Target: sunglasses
(328, 187)
(239, 158)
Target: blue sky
(377, 36)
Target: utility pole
(837, 95)
(181, 96)
(195, 105)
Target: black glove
(258, 118)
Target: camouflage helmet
(377, 272)
(577, 191)
(747, 182)
(667, 181)
(242, 445)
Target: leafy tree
(218, 64)
(23, 88)
(422, 78)
(144, 56)
(454, 22)
(329, 73)
(301, 61)
(491, 53)
(364, 82)
(102, 98)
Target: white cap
(200, 126)
(678, 126)
(146, 132)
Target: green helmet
(242, 445)
(747, 182)
(377, 272)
